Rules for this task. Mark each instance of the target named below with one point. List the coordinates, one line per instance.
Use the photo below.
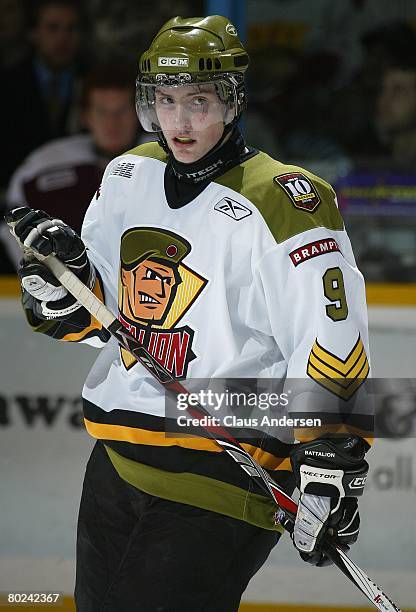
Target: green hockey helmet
(203, 53)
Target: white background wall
(44, 449)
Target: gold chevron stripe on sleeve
(343, 366)
(340, 376)
(343, 380)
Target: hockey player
(226, 264)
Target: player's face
(149, 288)
(191, 118)
(111, 119)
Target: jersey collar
(213, 164)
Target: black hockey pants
(137, 552)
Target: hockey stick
(287, 507)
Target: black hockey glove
(37, 230)
(330, 473)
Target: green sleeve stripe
(254, 180)
(199, 491)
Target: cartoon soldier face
(151, 287)
(150, 275)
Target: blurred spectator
(352, 110)
(328, 32)
(387, 177)
(123, 29)
(382, 185)
(62, 176)
(42, 89)
(13, 35)
(285, 112)
(396, 113)
(298, 56)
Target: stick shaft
(79, 290)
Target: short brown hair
(107, 76)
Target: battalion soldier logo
(156, 289)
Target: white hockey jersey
(254, 278)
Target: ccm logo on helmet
(173, 61)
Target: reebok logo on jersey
(300, 190)
(232, 209)
(124, 169)
(313, 249)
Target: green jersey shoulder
(291, 200)
(149, 149)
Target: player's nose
(182, 118)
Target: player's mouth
(148, 299)
(183, 141)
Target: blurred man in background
(396, 113)
(384, 183)
(42, 90)
(62, 176)
(352, 109)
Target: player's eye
(167, 280)
(165, 100)
(199, 102)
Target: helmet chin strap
(229, 146)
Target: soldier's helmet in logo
(142, 243)
(149, 273)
